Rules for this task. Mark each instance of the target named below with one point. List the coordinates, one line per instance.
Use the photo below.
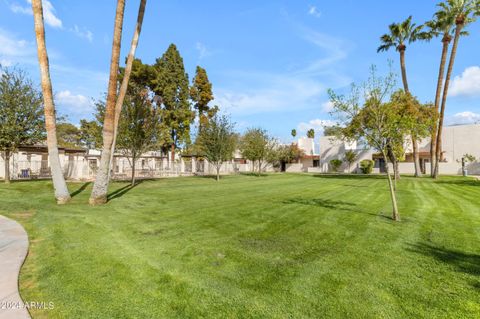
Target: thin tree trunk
(416, 157)
(433, 141)
(7, 167)
(133, 170)
(395, 214)
(126, 76)
(438, 149)
(218, 172)
(100, 187)
(62, 195)
(173, 152)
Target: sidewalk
(13, 250)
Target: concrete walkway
(13, 250)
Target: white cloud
(14, 50)
(203, 51)
(271, 92)
(48, 12)
(16, 8)
(313, 11)
(82, 33)
(317, 124)
(297, 89)
(5, 63)
(468, 83)
(327, 106)
(466, 117)
(74, 104)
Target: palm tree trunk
(7, 167)
(416, 159)
(100, 187)
(395, 214)
(433, 141)
(438, 149)
(62, 195)
(126, 76)
(403, 69)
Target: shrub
(366, 166)
(335, 164)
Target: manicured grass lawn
(280, 246)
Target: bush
(335, 164)
(366, 166)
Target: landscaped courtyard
(275, 246)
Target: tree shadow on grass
(80, 189)
(463, 262)
(123, 190)
(336, 205)
(254, 174)
(350, 176)
(464, 182)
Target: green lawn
(280, 246)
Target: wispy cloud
(465, 117)
(296, 89)
(15, 50)
(82, 33)
(49, 14)
(313, 11)
(317, 124)
(468, 83)
(203, 51)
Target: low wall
(294, 168)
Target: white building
(457, 141)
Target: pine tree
(171, 84)
(201, 94)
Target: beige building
(457, 141)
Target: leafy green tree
(90, 134)
(201, 95)
(256, 145)
(311, 133)
(171, 85)
(400, 34)
(138, 126)
(21, 114)
(290, 153)
(350, 157)
(464, 13)
(331, 130)
(374, 121)
(68, 135)
(217, 141)
(294, 132)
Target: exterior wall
(307, 145)
(331, 148)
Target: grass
(281, 246)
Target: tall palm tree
(401, 34)
(442, 25)
(126, 76)
(100, 187)
(464, 12)
(61, 191)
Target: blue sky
(270, 62)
